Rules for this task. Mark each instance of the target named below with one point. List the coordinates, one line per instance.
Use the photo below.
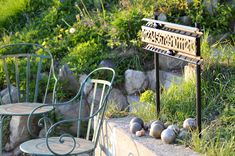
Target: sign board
(169, 37)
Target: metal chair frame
(35, 55)
(94, 115)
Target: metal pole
(156, 65)
(198, 83)
(198, 98)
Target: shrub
(85, 57)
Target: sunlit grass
(10, 8)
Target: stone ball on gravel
(168, 136)
(134, 127)
(175, 128)
(157, 122)
(190, 124)
(138, 120)
(156, 130)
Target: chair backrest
(27, 73)
(99, 84)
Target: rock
(190, 124)
(152, 79)
(162, 17)
(156, 130)
(132, 100)
(107, 63)
(7, 153)
(186, 20)
(175, 128)
(117, 98)
(184, 134)
(157, 122)
(6, 97)
(88, 86)
(70, 84)
(138, 120)
(18, 132)
(42, 133)
(134, 127)
(190, 1)
(17, 151)
(140, 133)
(135, 81)
(167, 63)
(211, 5)
(168, 136)
(70, 111)
(170, 78)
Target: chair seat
(39, 147)
(23, 109)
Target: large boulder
(71, 111)
(133, 101)
(168, 63)
(88, 86)
(6, 96)
(107, 63)
(166, 79)
(135, 81)
(18, 132)
(116, 98)
(69, 82)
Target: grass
(10, 8)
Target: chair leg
(1, 130)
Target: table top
(39, 147)
(23, 109)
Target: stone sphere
(156, 130)
(134, 127)
(175, 128)
(168, 136)
(157, 122)
(138, 120)
(190, 124)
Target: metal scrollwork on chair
(86, 142)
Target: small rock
(140, 133)
(175, 128)
(190, 124)
(162, 17)
(186, 20)
(168, 136)
(134, 127)
(184, 134)
(156, 130)
(138, 120)
(107, 63)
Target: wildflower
(72, 30)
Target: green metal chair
(98, 83)
(29, 80)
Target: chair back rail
(23, 66)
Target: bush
(85, 57)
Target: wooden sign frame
(175, 41)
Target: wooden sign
(169, 40)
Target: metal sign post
(175, 41)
